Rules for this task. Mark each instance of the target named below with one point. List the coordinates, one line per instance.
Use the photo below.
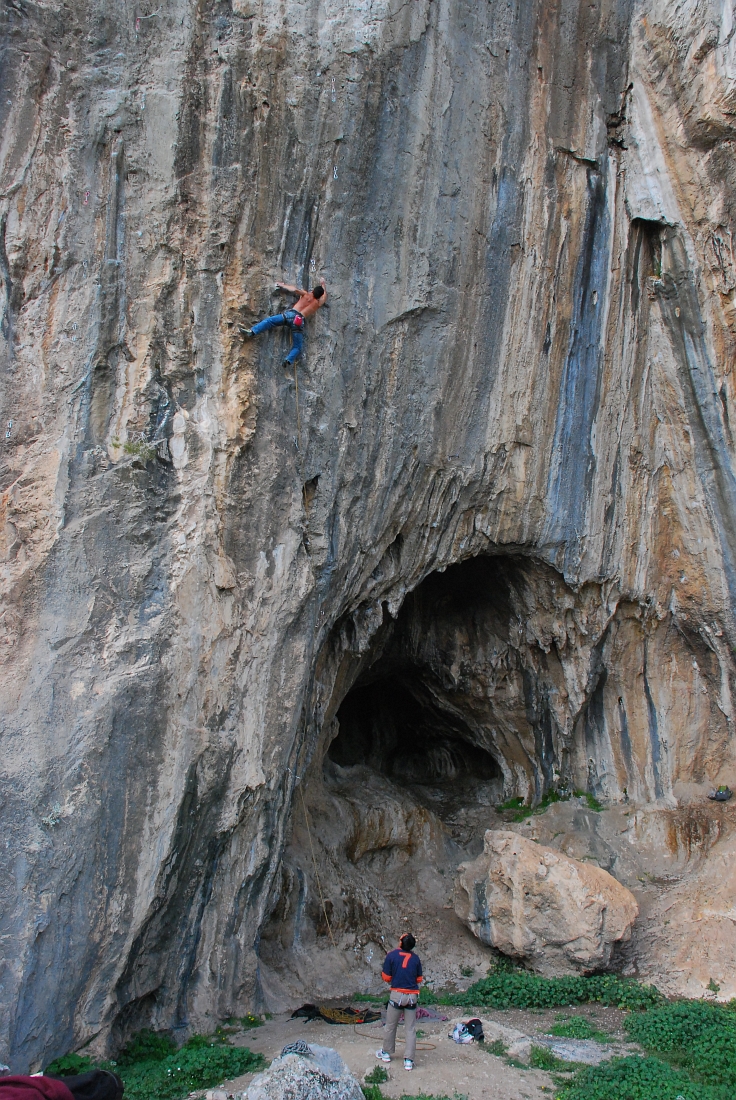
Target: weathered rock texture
(553, 913)
(524, 213)
(322, 1076)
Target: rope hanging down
(314, 861)
(298, 447)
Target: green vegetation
(691, 1053)
(523, 811)
(69, 1065)
(510, 804)
(695, 1035)
(377, 1076)
(577, 1027)
(247, 1022)
(373, 1092)
(368, 998)
(497, 1047)
(147, 1046)
(542, 1058)
(153, 1069)
(507, 987)
(637, 1079)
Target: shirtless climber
(308, 304)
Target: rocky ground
(442, 1071)
(443, 1068)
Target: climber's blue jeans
(279, 319)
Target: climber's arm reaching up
(292, 289)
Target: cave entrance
(448, 705)
(392, 722)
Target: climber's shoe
(245, 331)
(287, 363)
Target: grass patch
(508, 987)
(523, 811)
(542, 1058)
(152, 1068)
(377, 1076)
(577, 1027)
(367, 998)
(498, 1048)
(510, 804)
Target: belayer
(402, 969)
(309, 302)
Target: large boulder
(320, 1075)
(556, 914)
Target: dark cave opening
(460, 699)
(393, 725)
(426, 709)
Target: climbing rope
(372, 1035)
(309, 831)
(298, 441)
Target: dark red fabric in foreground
(33, 1088)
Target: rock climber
(309, 302)
(402, 969)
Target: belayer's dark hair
(407, 941)
(318, 291)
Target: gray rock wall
(523, 213)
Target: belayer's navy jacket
(403, 970)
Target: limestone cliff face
(524, 215)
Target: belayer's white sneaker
(383, 1055)
(408, 1064)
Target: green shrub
(151, 1071)
(69, 1065)
(693, 1034)
(577, 1027)
(523, 811)
(146, 1046)
(542, 1058)
(200, 1064)
(497, 1047)
(373, 1092)
(377, 1076)
(505, 988)
(636, 1078)
(510, 804)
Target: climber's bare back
(307, 304)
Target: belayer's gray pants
(410, 1030)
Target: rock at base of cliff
(320, 1076)
(557, 915)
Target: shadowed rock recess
(491, 553)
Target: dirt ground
(445, 1070)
